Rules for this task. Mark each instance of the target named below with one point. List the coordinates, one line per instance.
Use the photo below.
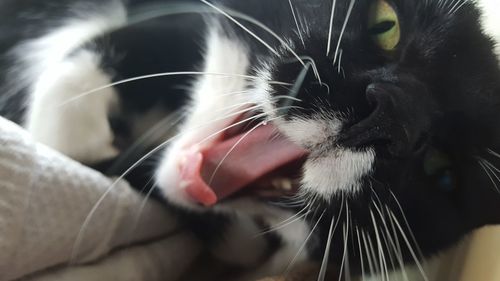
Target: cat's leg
(58, 74)
(241, 243)
(76, 126)
(262, 250)
(285, 237)
(291, 255)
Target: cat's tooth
(287, 184)
(282, 183)
(184, 184)
(275, 183)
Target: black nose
(396, 122)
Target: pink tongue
(244, 160)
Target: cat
(357, 134)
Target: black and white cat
(359, 134)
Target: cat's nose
(393, 122)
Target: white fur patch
(36, 56)
(80, 128)
(54, 76)
(330, 169)
(311, 132)
(337, 170)
(491, 20)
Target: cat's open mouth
(248, 161)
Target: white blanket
(46, 232)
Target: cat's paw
(69, 115)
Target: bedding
(45, 199)
(48, 234)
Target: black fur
(437, 93)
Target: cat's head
(383, 114)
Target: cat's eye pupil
(382, 27)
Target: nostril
(379, 96)
(381, 105)
(380, 128)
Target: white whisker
(291, 219)
(242, 27)
(490, 174)
(288, 97)
(232, 126)
(346, 238)
(493, 153)
(282, 225)
(370, 253)
(457, 7)
(410, 248)
(259, 24)
(331, 232)
(302, 247)
(313, 64)
(395, 235)
(389, 239)
(324, 263)
(407, 224)
(349, 11)
(387, 242)
(330, 31)
(348, 274)
(294, 92)
(164, 74)
(361, 260)
(399, 252)
(314, 67)
(290, 203)
(149, 137)
(488, 163)
(296, 23)
(141, 209)
(340, 61)
(381, 254)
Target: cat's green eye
(383, 25)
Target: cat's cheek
(337, 171)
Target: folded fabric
(56, 214)
(164, 260)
